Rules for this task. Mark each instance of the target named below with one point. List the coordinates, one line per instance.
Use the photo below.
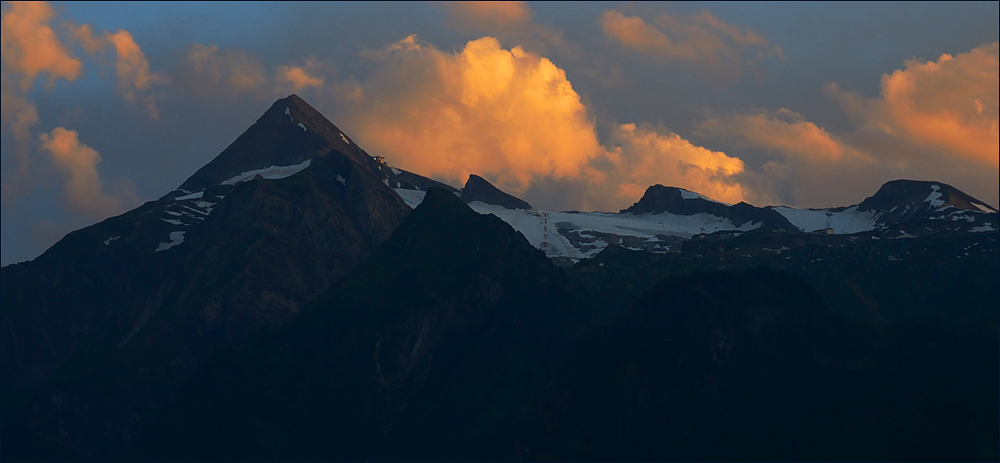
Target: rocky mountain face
(659, 199)
(430, 349)
(899, 201)
(478, 189)
(99, 330)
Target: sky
(568, 106)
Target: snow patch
(272, 173)
(413, 198)
(341, 180)
(984, 228)
(288, 112)
(345, 139)
(396, 171)
(935, 197)
(845, 222)
(190, 196)
(176, 238)
(304, 129)
(109, 240)
(685, 194)
(173, 222)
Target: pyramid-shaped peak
(289, 133)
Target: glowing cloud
(513, 117)
(30, 46)
(505, 113)
(134, 78)
(950, 104)
(784, 131)
(297, 78)
(648, 157)
(701, 39)
(78, 163)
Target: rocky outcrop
(478, 189)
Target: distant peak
(479, 189)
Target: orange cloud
(297, 78)
(784, 131)
(815, 168)
(134, 78)
(84, 192)
(701, 39)
(505, 113)
(30, 46)
(950, 104)
(513, 117)
(648, 157)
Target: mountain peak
(921, 194)
(659, 198)
(479, 189)
(289, 133)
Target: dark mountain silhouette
(659, 199)
(437, 347)
(899, 201)
(478, 189)
(286, 304)
(288, 133)
(99, 330)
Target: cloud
(19, 115)
(206, 71)
(648, 157)
(297, 77)
(30, 46)
(950, 104)
(487, 110)
(701, 40)
(784, 131)
(935, 120)
(813, 167)
(133, 77)
(83, 190)
(513, 117)
(488, 15)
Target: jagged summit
(290, 133)
(479, 189)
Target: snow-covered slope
(578, 235)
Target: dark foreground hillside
(457, 340)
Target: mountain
(478, 189)
(99, 331)
(659, 199)
(908, 206)
(437, 347)
(667, 217)
(299, 299)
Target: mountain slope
(99, 331)
(435, 348)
